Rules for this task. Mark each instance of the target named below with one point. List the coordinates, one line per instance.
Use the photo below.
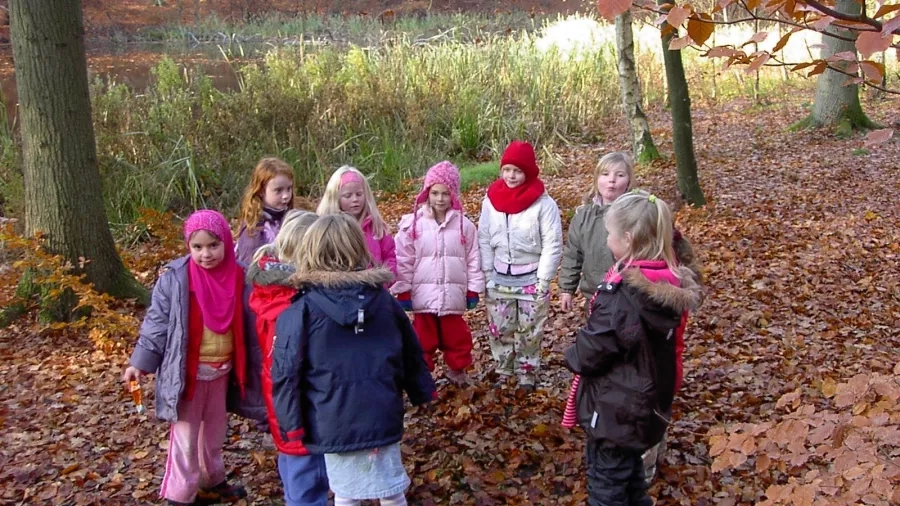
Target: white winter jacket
(529, 239)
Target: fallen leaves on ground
(801, 251)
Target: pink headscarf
(216, 288)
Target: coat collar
(681, 298)
(373, 277)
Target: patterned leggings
(516, 329)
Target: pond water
(131, 64)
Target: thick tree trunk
(682, 128)
(837, 105)
(630, 90)
(63, 200)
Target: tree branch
(856, 18)
(754, 17)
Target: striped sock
(343, 501)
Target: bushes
(392, 110)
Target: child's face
(617, 242)
(439, 198)
(207, 250)
(353, 199)
(612, 183)
(512, 175)
(278, 192)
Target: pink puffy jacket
(438, 267)
(382, 250)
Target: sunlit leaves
(846, 442)
(609, 9)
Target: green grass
(445, 87)
(481, 174)
(359, 30)
(390, 110)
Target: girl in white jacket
(520, 238)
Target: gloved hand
(405, 300)
(543, 287)
(471, 299)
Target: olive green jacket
(586, 258)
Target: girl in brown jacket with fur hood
(625, 356)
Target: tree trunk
(630, 90)
(63, 200)
(682, 129)
(837, 105)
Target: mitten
(405, 301)
(471, 299)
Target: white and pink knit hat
(444, 173)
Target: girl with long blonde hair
(348, 191)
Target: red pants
(448, 333)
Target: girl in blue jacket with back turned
(343, 354)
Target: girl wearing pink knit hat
(439, 270)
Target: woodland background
(792, 388)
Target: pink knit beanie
(447, 174)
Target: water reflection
(131, 64)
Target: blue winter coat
(162, 347)
(344, 352)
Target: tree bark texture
(836, 104)
(630, 90)
(63, 197)
(682, 128)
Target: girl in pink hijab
(193, 339)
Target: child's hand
(471, 299)
(131, 374)
(565, 302)
(405, 301)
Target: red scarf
(514, 200)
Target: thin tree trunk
(196, 13)
(630, 91)
(63, 200)
(837, 105)
(682, 128)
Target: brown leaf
(700, 28)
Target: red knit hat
(521, 154)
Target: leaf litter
(801, 250)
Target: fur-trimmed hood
(347, 298)
(269, 271)
(686, 297)
(371, 277)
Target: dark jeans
(615, 477)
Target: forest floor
(802, 263)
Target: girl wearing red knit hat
(520, 238)
(439, 270)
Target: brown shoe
(457, 377)
(221, 493)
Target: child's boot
(459, 377)
(221, 493)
